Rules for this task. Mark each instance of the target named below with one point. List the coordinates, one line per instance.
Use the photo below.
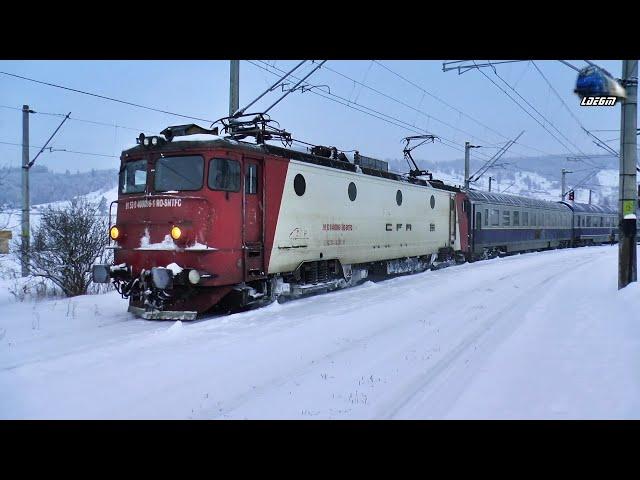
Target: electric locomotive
(220, 222)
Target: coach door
(476, 229)
(253, 212)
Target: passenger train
(228, 224)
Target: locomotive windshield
(133, 177)
(179, 173)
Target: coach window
(588, 221)
(486, 217)
(182, 173)
(495, 217)
(516, 218)
(251, 179)
(224, 174)
(506, 218)
(133, 177)
(525, 219)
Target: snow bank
(542, 335)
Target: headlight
(114, 233)
(194, 276)
(176, 233)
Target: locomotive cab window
(251, 179)
(224, 174)
(179, 173)
(133, 177)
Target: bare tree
(67, 243)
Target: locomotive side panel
(356, 218)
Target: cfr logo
(399, 226)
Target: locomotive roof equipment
(415, 172)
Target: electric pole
(24, 254)
(467, 147)
(234, 86)
(466, 165)
(563, 184)
(627, 259)
(589, 196)
(490, 183)
(26, 165)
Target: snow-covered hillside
(541, 335)
(536, 177)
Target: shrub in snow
(67, 243)
(32, 288)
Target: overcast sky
(477, 110)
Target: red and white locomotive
(222, 222)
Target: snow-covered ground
(542, 335)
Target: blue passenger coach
(593, 223)
(502, 224)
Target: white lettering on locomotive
(154, 202)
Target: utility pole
(627, 259)
(564, 184)
(26, 165)
(589, 196)
(467, 147)
(490, 178)
(234, 87)
(24, 254)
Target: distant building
(5, 236)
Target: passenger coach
(502, 224)
(593, 223)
